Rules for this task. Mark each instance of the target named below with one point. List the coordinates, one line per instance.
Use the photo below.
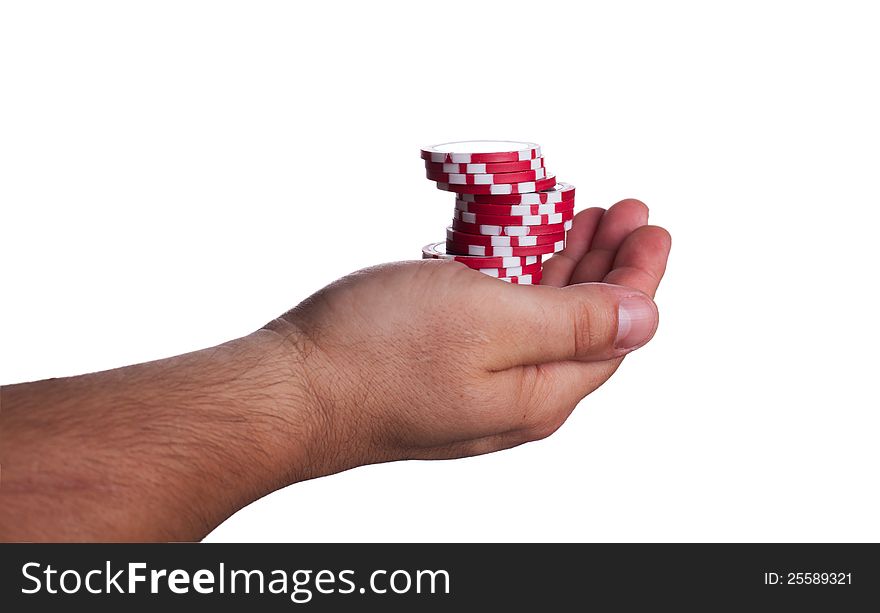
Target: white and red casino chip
(481, 151)
(487, 179)
(557, 193)
(489, 240)
(482, 169)
(513, 220)
(523, 279)
(487, 251)
(495, 230)
(438, 251)
(515, 209)
(516, 271)
(501, 189)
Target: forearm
(159, 451)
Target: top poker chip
(481, 152)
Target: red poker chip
(533, 279)
(481, 152)
(496, 230)
(490, 168)
(557, 193)
(515, 209)
(469, 238)
(487, 179)
(489, 251)
(438, 251)
(513, 220)
(501, 189)
(516, 271)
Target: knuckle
(541, 416)
(587, 332)
(549, 422)
(546, 427)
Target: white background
(175, 174)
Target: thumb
(586, 322)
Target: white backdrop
(175, 174)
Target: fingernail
(636, 321)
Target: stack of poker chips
(509, 211)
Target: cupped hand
(430, 359)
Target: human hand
(411, 360)
(431, 359)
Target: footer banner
(437, 577)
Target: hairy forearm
(159, 451)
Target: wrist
(322, 404)
(293, 422)
(256, 427)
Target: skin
(413, 360)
